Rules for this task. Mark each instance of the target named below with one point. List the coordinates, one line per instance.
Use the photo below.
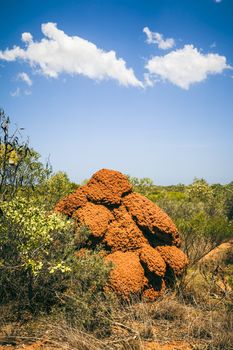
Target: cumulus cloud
(60, 53)
(27, 37)
(157, 38)
(186, 66)
(25, 77)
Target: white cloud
(59, 53)
(157, 38)
(15, 93)
(186, 66)
(27, 37)
(24, 77)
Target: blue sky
(144, 87)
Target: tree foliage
(20, 167)
(143, 186)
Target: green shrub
(35, 251)
(41, 272)
(53, 188)
(85, 304)
(202, 224)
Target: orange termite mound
(139, 238)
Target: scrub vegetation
(53, 292)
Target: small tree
(12, 154)
(55, 188)
(20, 167)
(200, 190)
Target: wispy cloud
(186, 66)
(157, 38)
(19, 92)
(25, 77)
(147, 80)
(15, 93)
(60, 53)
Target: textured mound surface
(154, 291)
(151, 218)
(72, 202)
(123, 234)
(107, 187)
(127, 277)
(94, 216)
(137, 236)
(174, 257)
(152, 260)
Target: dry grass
(199, 314)
(68, 338)
(169, 319)
(205, 322)
(206, 326)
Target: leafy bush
(85, 304)
(35, 249)
(53, 188)
(201, 233)
(41, 272)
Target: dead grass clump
(223, 330)
(147, 331)
(215, 328)
(206, 325)
(66, 337)
(200, 327)
(138, 311)
(131, 344)
(223, 341)
(168, 308)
